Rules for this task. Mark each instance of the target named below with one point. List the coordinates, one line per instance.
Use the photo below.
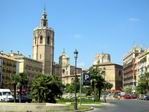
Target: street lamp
(75, 98)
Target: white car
(5, 95)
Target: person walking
(105, 98)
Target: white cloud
(134, 19)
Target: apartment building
(129, 67)
(27, 65)
(142, 64)
(8, 67)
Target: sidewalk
(33, 107)
(94, 106)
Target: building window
(35, 40)
(120, 73)
(48, 40)
(63, 71)
(41, 39)
(44, 23)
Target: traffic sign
(86, 79)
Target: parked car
(5, 95)
(116, 95)
(134, 96)
(127, 96)
(24, 99)
(141, 97)
(146, 97)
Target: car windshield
(6, 93)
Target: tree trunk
(99, 93)
(20, 93)
(14, 92)
(39, 99)
(93, 87)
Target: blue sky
(91, 26)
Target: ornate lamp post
(75, 98)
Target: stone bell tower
(43, 45)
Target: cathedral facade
(67, 71)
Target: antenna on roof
(44, 6)
(63, 49)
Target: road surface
(124, 106)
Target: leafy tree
(46, 88)
(143, 83)
(97, 79)
(87, 90)
(70, 88)
(107, 85)
(127, 89)
(140, 88)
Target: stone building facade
(27, 65)
(112, 72)
(57, 69)
(43, 45)
(67, 71)
(102, 58)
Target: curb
(92, 108)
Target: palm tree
(23, 82)
(38, 87)
(56, 88)
(46, 88)
(97, 79)
(14, 81)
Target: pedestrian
(104, 98)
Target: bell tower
(43, 45)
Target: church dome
(64, 54)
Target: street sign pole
(80, 88)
